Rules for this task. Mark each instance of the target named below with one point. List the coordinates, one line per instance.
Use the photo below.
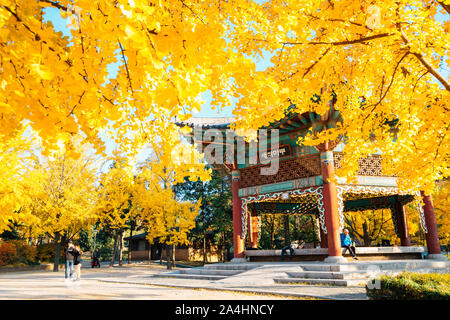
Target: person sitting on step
(294, 245)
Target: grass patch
(412, 286)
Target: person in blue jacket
(346, 243)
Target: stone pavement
(49, 285)
(137, 282)
(259, 280)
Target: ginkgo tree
(114, 201)
(373, 226)
(14, 199)
(441, 202)
(382, 61)
(163, 216)
(61, 197)
(165, 219)
(167, 54)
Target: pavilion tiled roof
(207, 122)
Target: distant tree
(215, 221)
(441, 202)
(114, 202)
(62, 198)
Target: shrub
(24, 253)
(412, 286)
(17, 252)
(7, 254)
(105, 253)
(46, 253)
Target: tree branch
(316, 62)
(424, 62)
(55, 4)
(393, 76)
(445, 6)
(343, 43)
(126, 65)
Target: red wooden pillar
(402, 224)
(433, 245)
(253, 224)
(238, 242)
(331, 209)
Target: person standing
(346, 243)
(69, 255)
(96, 258)
(77, 262)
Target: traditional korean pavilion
(301, 185)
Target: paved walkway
(136, 282)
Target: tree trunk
(223, 247)
(129, 246)
(120, 247)
(204, 249)
(317, 223)
(313, 223)
(168, 257)
(57, 252)
(149, 253)
(366, 234)
(160, 249)
(287, 236)
(116, 235)
(173, 256)
(272, 233)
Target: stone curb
(261, 292)
(39, 267)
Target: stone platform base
(357, 273)
(320, 254)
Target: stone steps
(329, 282)
(189, 276)
(216, 271)
(329, 275)
(389, 265)
(232, 266)
(357, 273)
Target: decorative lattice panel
(369, 166)
(301, 167)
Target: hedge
(17, 252)
(412, 286)
(46, 253)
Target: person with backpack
(69, 256)
(77, 262)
